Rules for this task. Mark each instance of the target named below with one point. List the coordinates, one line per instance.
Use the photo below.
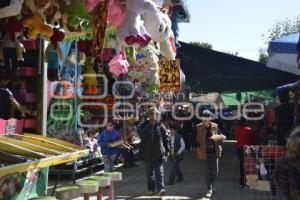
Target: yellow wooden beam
(45, 162)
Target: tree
(280, 29)
(263, 56)
(202, 44)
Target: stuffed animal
(151, 65)
(138, 72)
(13, 27)
(116, 13)
(159, 27)
(118, 65)
(36, 27)
(132, 32)
(90, 80)
(38, 7)
(91, 4)
(13, 8)
(54, 54)
(77, 16)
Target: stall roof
(212, 71)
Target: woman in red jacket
(244, 136)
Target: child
(176, 155)
(109, 141)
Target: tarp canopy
(283, 54)
(209, 98)
(211, 71)
(231, 99)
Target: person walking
(209, 149)
(154, 148)
(244, 136)
(176, 155)
(287, 171)
(109, 141)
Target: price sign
(169, 75)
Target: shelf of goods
(23, 152)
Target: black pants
(175, 169)
(240, 153)
(10, 62)
(128, 157)
(211, 169)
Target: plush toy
(159, 27)
(54, 54)
(90, 80)
(12, 8)
(77, 16)
(13, 27)
(138, 72)
(36, 27)
(132, 32)
(119, 65)
(151, 65)
(91, 4)
(116, 13)
(38, 7)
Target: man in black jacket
(154, 148)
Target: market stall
(78, 61)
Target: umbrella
(283, 54)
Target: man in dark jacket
(154, 148)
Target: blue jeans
(109, 161)
(155, 173)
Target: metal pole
(75, 109)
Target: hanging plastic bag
(262, 169)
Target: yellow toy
(37, 27)
(90, 79)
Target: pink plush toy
(119, 65)
(116, 13)
(91, 4)
(132, 32)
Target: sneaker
(162, 192)
(209, 193)
(150, 193)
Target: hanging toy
(54, 54)
(119, 65)
(132, 31)
(90, 79)
(11, 48)
(37, 27)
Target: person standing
(176, 155)
(284, 117)
(109, 141)
(244, 136)
(209, 149)
(287, 171)
(8, 102)
(154, 148)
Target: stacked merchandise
(260, 163)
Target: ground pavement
(193, 186)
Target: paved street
(193, 187)
(133, 185)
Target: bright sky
(235, 25)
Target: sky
(235, 25)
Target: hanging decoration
(132, 31)
(100, 15)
